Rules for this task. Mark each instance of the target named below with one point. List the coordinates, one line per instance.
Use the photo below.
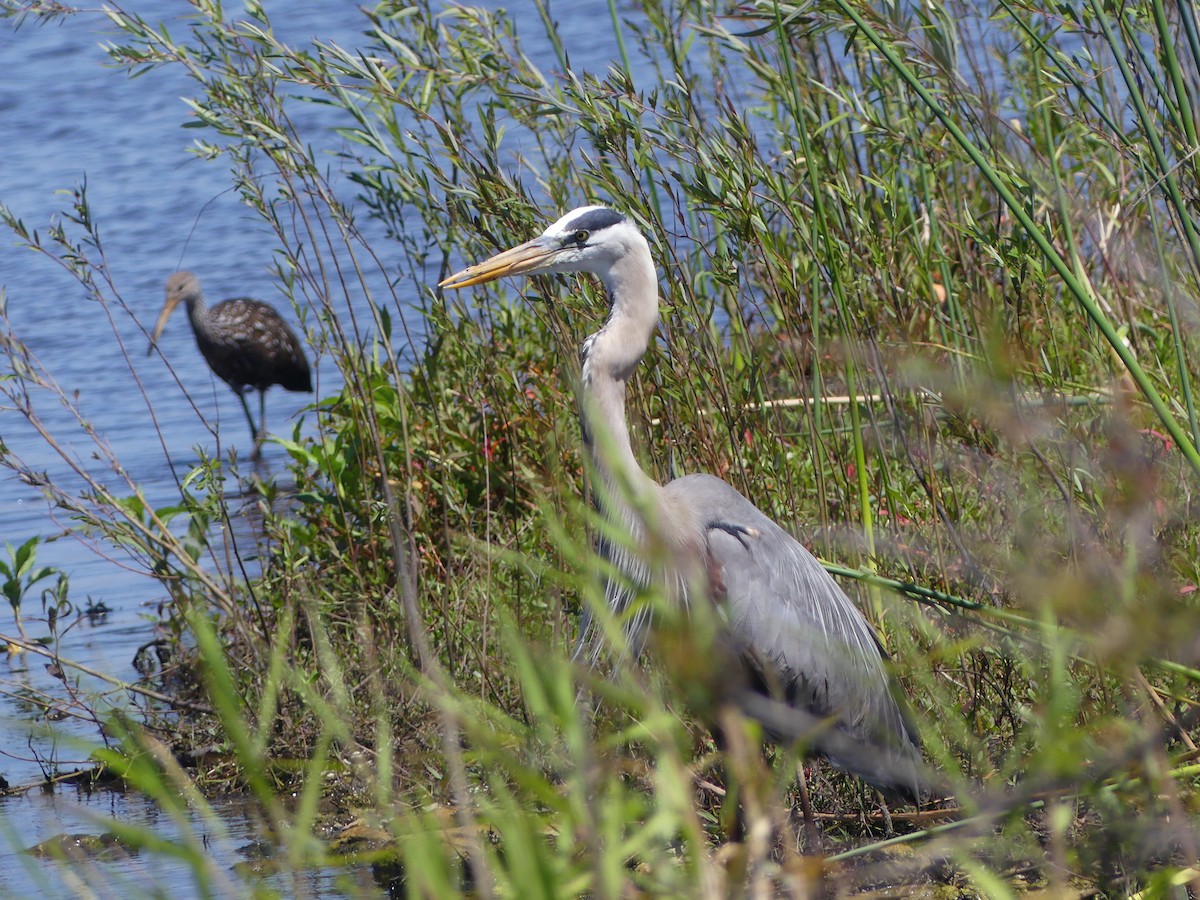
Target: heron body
(245, 342)
(804, 661)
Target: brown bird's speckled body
(245, 342)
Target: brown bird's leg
(254, 434)
(262, 422)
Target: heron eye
(580, 237)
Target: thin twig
(1098, 395)
(176, 702)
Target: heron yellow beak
(168, 308)
(522, 259)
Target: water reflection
(80, 842)
(48, 728)
(81, 659)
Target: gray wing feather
(790, 619)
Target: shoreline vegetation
(929, 284)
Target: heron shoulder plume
(802, 659)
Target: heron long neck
(610, 357)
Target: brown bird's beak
(526, 258)
(168, 308)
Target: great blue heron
(245, 342)
(812, 667)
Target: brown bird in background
(245, 342)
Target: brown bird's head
(180, 286)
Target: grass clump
(928, 307)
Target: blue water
(68, 118)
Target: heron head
(179, 287)
(589, 239)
